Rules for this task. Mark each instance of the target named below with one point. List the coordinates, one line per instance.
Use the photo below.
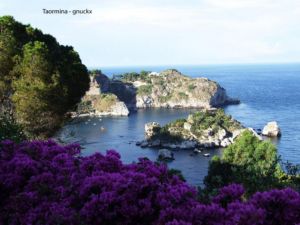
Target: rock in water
(165, 155)
(119, 109)
(151, 129)
(205, 128)
(271, 129)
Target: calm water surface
(267, 92)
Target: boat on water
(196, 150)
(206, 154)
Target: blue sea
(267, 93)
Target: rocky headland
(168, 89)
(203, 129)
(172, 89)
(101, 103)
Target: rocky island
(167, 89)
(204, 129)
(172, 89)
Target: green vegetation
(9, 129)
(191, 87)
(100, 103)
(200, 122)
(93, 73)
(133, 76)
(178, 123)
(166, 98)
(251, 162)
(183, 95)
(203, 120)
(165, 135)
(105, 102)
(145, 89)
(160, 82)
(40, 78)
(85, 106)
(130, 77)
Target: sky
(169, 32)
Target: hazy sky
(172, 32)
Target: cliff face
(172, 89)
(97, 101)
(104, 105)
(168, 89)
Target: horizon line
(204, 64)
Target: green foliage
(105, 102)
(178, 123)
(159, 81)
(144, 75)
(191, 87)
(42, 78)
(130, 77)
(145, 90)
(248, 161)
(203, 120)
(133, 76)
(93, 73)
(183, 95)
(166, 98)
(84, 106)
(164, 135)
(9, 129)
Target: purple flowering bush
(42, 182)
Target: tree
(35, 90)
(248, 161)
(41, 78)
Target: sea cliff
(167, 89)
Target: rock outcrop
(237, 133)
(271, 129)
(168, 89)
(165, 155)
(102, 105)
(117, 109)
(171, 89)
(206, 128)
(151, 129)
(103, 81)
(94, 88)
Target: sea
(267, 93)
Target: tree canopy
(40, 80)
(248, 161)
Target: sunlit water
(267, 92)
